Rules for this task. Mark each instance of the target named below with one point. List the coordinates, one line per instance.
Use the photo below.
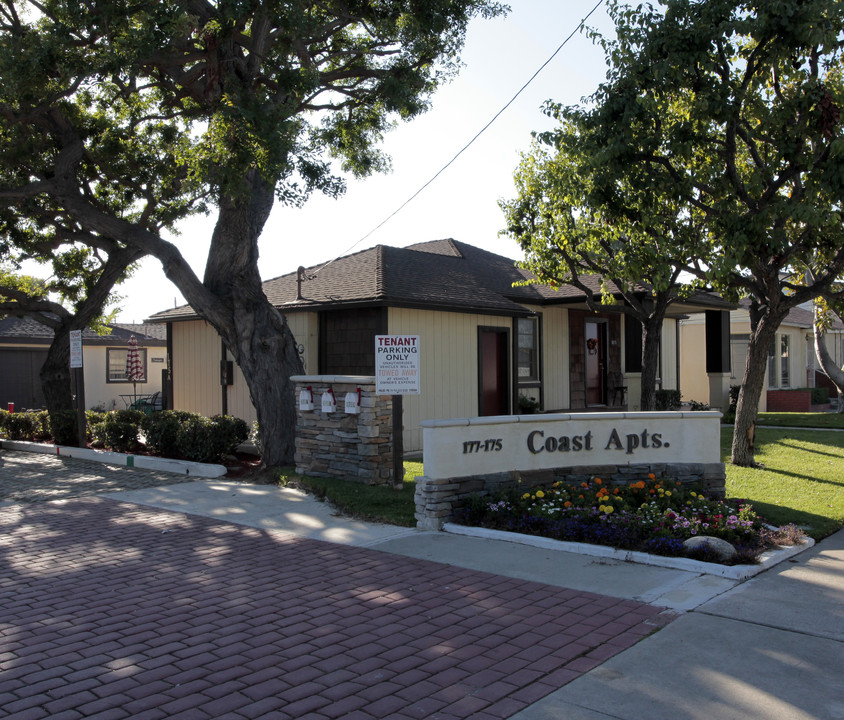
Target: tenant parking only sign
(397, 365)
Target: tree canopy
(729, 114)
(118, 119)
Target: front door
(493, 372)
(596, 362)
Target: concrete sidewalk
(772, 647)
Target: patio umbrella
(134, 369)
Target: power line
(470, 143)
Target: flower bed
(654, 516)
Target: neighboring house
(791, 358)
(23, 348)
(485, 343)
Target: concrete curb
(731, 572)
(144, 462)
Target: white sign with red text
(397, 369)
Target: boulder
(721, 548)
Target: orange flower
(567, 503)
(615, 492)
(583, 484)
(652, 476)
(597, 481)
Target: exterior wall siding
(449, 365)
(196, 368)
(668, 372)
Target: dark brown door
(20, 382)
(596, 363)
(493, 372)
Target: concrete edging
(732, 572)
(145, 462)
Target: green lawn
(801, 478)
(801, 481)
(807, 420)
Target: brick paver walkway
(32, 477)
(112, 610)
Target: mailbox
(306, 399)
(353, 402)
(329, 402)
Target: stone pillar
(351, 446)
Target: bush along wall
(168, 433)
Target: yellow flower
(540, 494)
(525, 496)
(643, 505)
(608, 509)
(667, 493)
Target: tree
(166, 104)
(82, 285)
(730, 111)
(560, 220)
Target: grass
(800, 481)
(807, 420)
(373, 503)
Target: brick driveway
(114, 610)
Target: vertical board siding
(449, 365)
(554, 369)
(669, 354)
(196, 368)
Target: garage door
(19, 381)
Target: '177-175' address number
(475, 446)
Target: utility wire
(467, 145)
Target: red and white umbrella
(134, 368)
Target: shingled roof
(441, 274)
(26, 330)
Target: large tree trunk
(764, 324)
(833, 372)
(55, 373)
(254, 332)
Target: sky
(499, 57)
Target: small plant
(668, 399)
(63, 427)
(204, 439)
(527, 405)
(118, 430)
(696, 406)
(161, 430)
(21, 425)
(654, 515)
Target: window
(528, 349)
(772, 363)
(116, 364)
(785, 365)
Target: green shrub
(696, 406)
(21, 425)
(62, 424)
(820, 395)
(204, 439)
(42, 430)
(161, 430)
(667, 399)
(118, 430)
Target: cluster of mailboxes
(328, 403)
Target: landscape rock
(721, 548)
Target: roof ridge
(380, 271)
